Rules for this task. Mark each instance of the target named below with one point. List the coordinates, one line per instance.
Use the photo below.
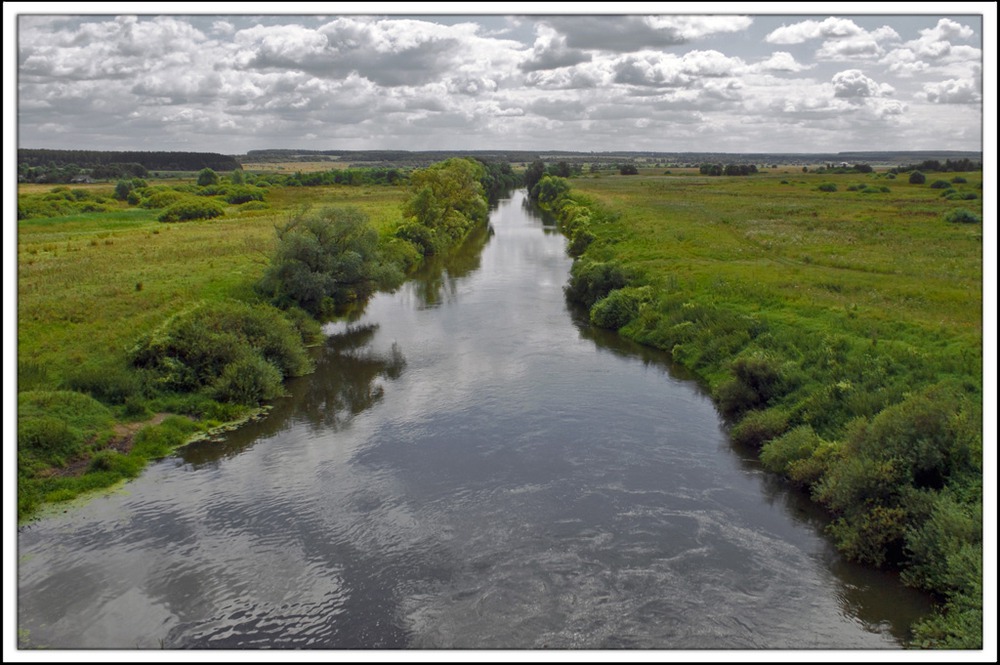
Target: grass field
(90, 284)
(871, 264)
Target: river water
(471, 466)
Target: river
(471, 466)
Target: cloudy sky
(703, 82)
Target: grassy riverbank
(837, 319)
(92, 284)
(150, 313)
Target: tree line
(152, 160)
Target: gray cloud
(624, 34)
(232, 83)
(550, 52)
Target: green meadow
(90, 284)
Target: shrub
(192, 208)
(757, 379)
(591, 280)
(327, 261)
(959, 180)
(940, 184)
(618, 307)
(244, 194)
(962, 216)
(581, 240)
(549, 189)
(923, 443)
(796, 445)
(917, 178)
(193, 350)
(758, 427)
(249, 380)
(207, 177)
(161, 198)
(122, 189)
(827, 187)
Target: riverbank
(840, 334)
(122, 315)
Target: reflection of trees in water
(609, 340)
(857, 599)
(345, 383)
(346, 379)
(439, 275)
(550, 224)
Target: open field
(90, 284)
(292, 167)
(868, 264)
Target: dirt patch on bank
(122, 441)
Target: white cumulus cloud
(852, 83)
(952, 91)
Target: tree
(327, 261)
(629, 169)
(447, 194)
(207, 177)
(533, 174)
(917, 178)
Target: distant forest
(61, 166)
(404, 157)
(66, 166)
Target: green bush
(959, 180)
(618, 308)
(191, 351)
(327, 261)
(779, 454)
(758, 427)
(925, 443)
(592, 280)
(244, 194)
(192, 208)
(756, 380)
(160, 198)
(962, 216)
(549, 189)
(207, 177)
(581, 240)
(249, 380)
(940, 184)
(827, 187)
(917, 178)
